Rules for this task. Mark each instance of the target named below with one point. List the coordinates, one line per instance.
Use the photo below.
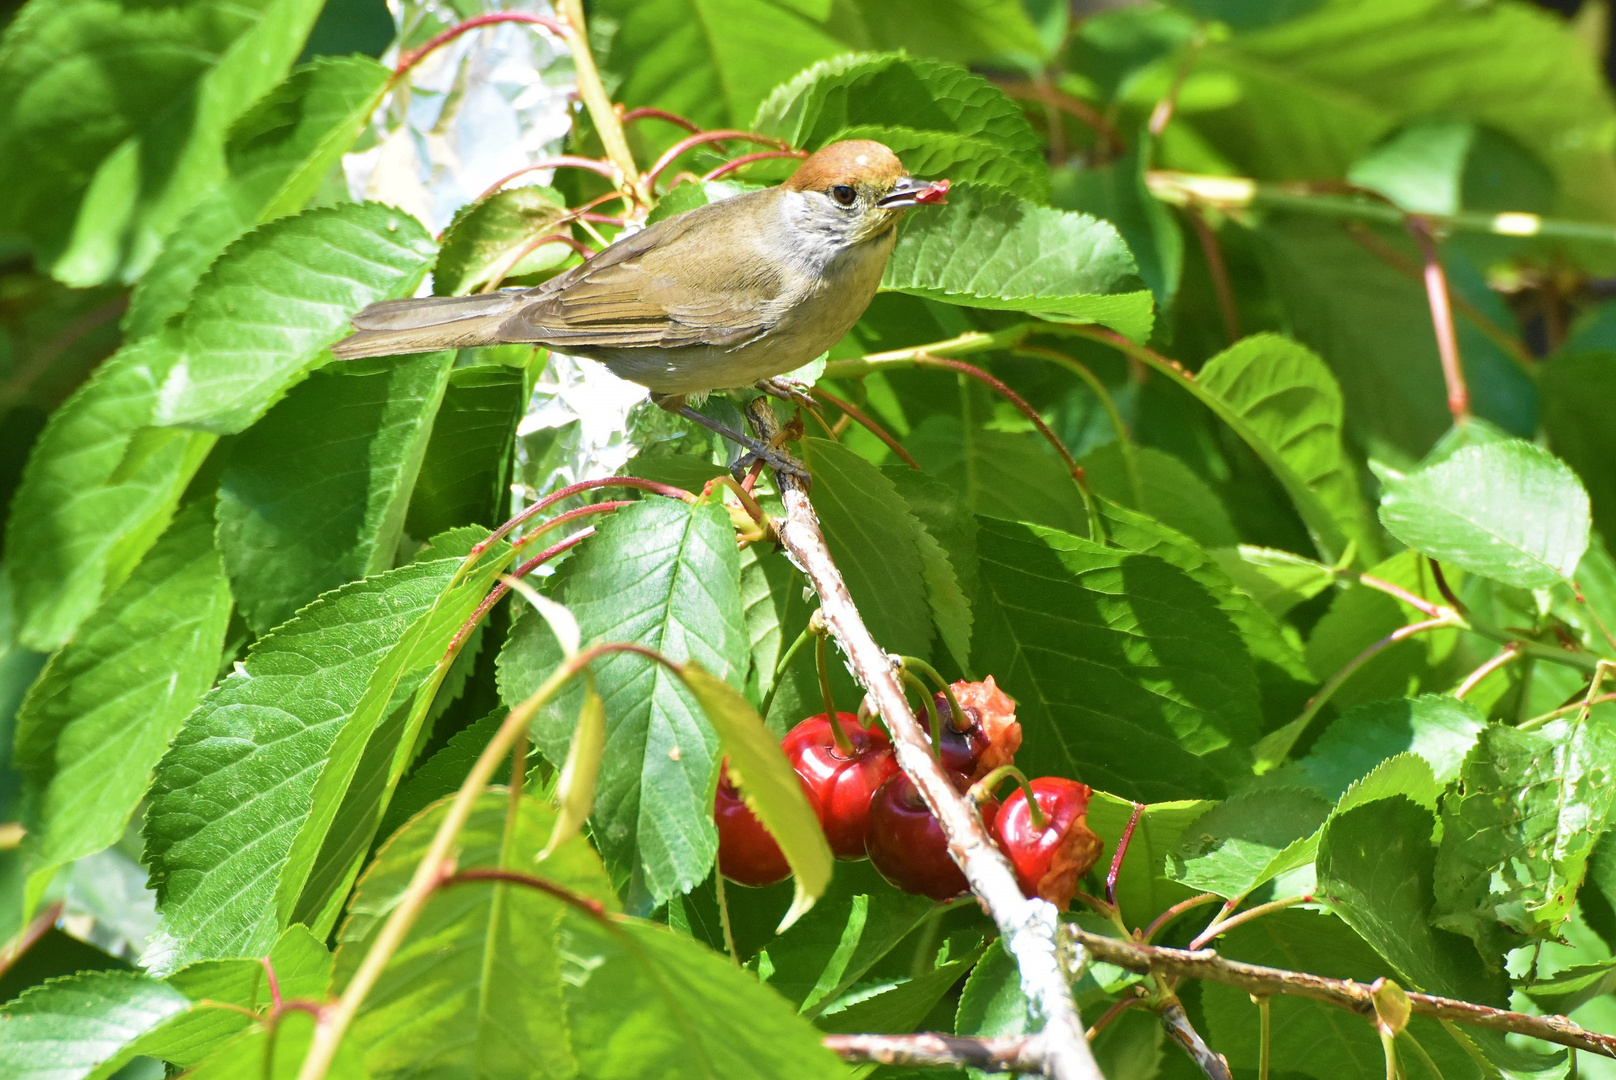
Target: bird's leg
(786, 390)
(772, 456)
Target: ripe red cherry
(842, 783)
(1049, 861)
(747, 854)
(907, 844)
(986, 737)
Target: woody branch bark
(1354, 996)
(1030, 929)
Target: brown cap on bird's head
(856, 161)
(864, 163)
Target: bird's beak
(911, 192)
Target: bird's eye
(843, 194)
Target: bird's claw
(776, 459)
(787, 390)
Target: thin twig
(1030, 928)
(747, 159)
(1223, 925)
(1162, 114)
(1218, 268)
(1354, 996)
(631, 115)
(1176, 1023)
(593, 93)
(1130, 457)
(1045, 93)
(849, 409)
(931, 1050)
(1509, 653)
(1447, 338)
(408, 60)
(1156, 924)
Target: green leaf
(1117, 193)
(939, 118)
(1126, 674)
(1517, 834)
(278, 750)
(1572, 388)
(265, 1053)
(1006, 474)
(856, 922)
(1249, 14)
(118, 119)
(442, 773)
(1566, 991)
(99, 489)
(897, 1005)
(1280, 398)
(1169, 489)
(263, 315)
(647, 1002)
(84, 1026)
(769, 785)
(1282, 673)
(106, 473)
(477, 983)
(1376, 865)
(1505, 510)
(991, 249)
(1278, 580)
(1244, 842)
(315, 494)
(712, 60)
(1445, 165)
(464, 478)
(278, 153)
(665, 575)
(875, 541)
(959, 30)
(487, 241)
(302, 969)
(95, 724)
(1438, 728)
(947, 544)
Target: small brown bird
(731, 294)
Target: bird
(728, 295)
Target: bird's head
(857, 190)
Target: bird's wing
(670, 285)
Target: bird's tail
(427, 324)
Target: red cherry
(986, 737)
(842, 783)
(747, 854)
(907, 844)
(1050, 861)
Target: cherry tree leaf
(488, 240)
(94, 726)
(990, 249)
(1506, 510)
(940, 119)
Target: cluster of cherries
(869, 808)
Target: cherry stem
(747, 159)
(581, 248)
(956, 715)
(673, 152)
(983, 789)
(1174, 912)
(560, 161)
(1117, 1009)
(408, 60)
(593, 908)
(1121, 853)
(749, 503)
(574, 489)
(849, 409)
(645, 113)
(1223, 922)
(844, 745)
(1447, 339)
(913, 680)
(574, 514)
(780, 670)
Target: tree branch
(1031, 929)
(932, 1050)
(1345, 993)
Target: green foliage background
(232, 567)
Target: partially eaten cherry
(907, 844)
(985, 736)
(1048, 861)
(841, 774)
